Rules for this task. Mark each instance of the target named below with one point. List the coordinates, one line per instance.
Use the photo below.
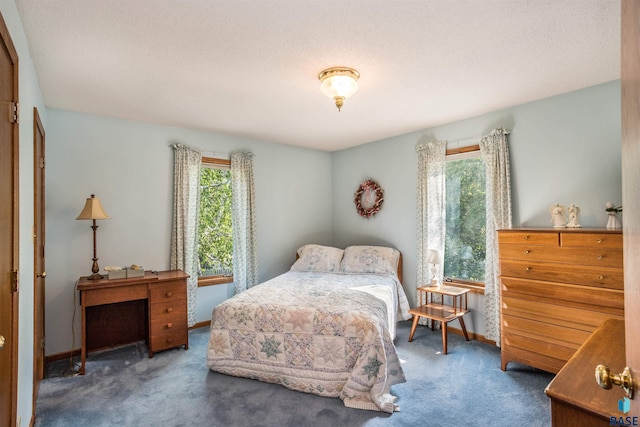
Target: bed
(325, 327)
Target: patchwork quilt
(321, 333)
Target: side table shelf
(441, 312)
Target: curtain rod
(468, 141)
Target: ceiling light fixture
(339, 83)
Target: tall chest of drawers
(556, 287)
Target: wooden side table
(441, 312)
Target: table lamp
(93, 210)
(434, 257)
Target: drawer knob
(599, 241)
(526, 237)
(600, 277)
(169, 293)
(599, 257)
(169, 325)
(526, 252)
(169, 310)
(527, 269)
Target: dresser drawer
(549, 356)
(528, 237)
(169, 339)
(600, 257)
(598, 240)
(547, 312)
(167, 291)
(596, 299)
(599, 277)
(560, 335)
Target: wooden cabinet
(556, 287)
(152, 308)
(168, 316)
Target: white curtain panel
(431, 214)
(243, 206)
(495, 153)
(184, 235)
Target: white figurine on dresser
(574, 212)
(558, 217)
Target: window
(215, 238)
(465, 235)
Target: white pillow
(370, 259)
(318, 258)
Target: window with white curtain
(465, 229)
(215, 230)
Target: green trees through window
(465, 241)
(215, 238)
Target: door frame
(39, 264)
(5, 39)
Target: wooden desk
(441, 312)
(576, 399)
(152, 308)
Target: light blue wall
(129, 166)
(564, 149)
(30, 96)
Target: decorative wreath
(369, 207)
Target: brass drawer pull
(526, 252)
(169, 293)
(527, 269)
(599, 257)
(169, 325)
(600, 277)
(599, 241)
(526, 237)
(169, 310)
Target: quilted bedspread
(314, 332)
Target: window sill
(214, 280)
(474, 287)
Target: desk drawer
(167, 291)
(105, 295)
(168, 323)
(169, 339)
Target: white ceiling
(249, 67)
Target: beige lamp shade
(93, 209)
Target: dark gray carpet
(124, 387)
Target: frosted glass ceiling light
(339, 83)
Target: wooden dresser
(556, 287)
(152, 308)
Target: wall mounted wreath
(368, 198)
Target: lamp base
(96, 276)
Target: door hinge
(15, 112)
(42, 162)
(42, 343)
(14, 281)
